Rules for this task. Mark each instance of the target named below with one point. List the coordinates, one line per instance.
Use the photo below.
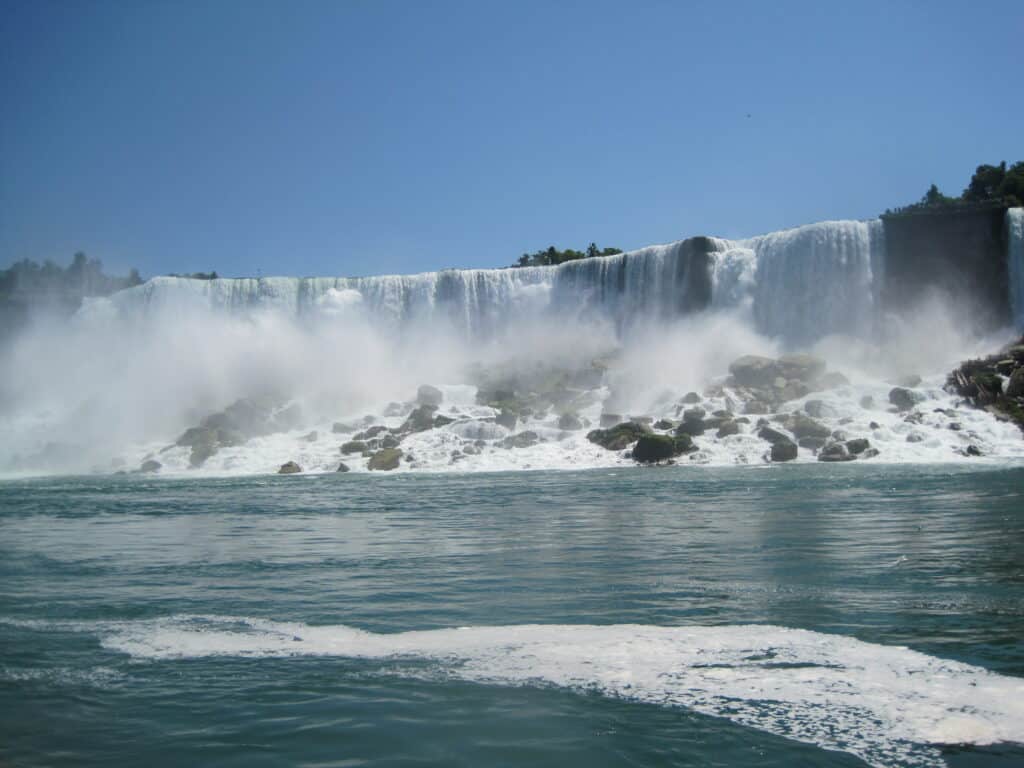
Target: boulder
(420, 420)
(754, 371)
(904, 399)
(805, 368)
(773, 436)
(805, 426)
(353, 446)
(442, 421)
(783, 451)
(727, 428)
(857, 445)
(570, 422)
(663, 424)
(342, 467)
(368, 434)
(289, 468)
(691, 398)
(692, 428)
(653, 448)
(507, 418)
(1015, 386)
(385, 459)
(150, 465)
(521, 440)
(915, 437)
(835, 452)
(819, 409)
(694, 414)
(618, 437)
(428, 395)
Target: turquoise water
(173, 622)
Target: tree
(985, 183)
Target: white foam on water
(885, 704)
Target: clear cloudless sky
(357, 138)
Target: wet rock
(654, 448)
(783, 451)
(570, 422)
(839, 435)
(521, 440)
(870, 453)
(691, 427)
(342, 467)
(388, 441)
(972, 450)
(694, 414)
(773, 435)
(369, 434)
(727, 428)
(1015, 386)
(915, 437)
(904, 399)
(754, 371)
(664, 424)
(428, 395)
(805, 368)
(691, 398)
(835, 452)
(618, 437)
(874, 425)
(442, 421)
(819, 409)
(289, 468)
(507, 418)
(956, 426)
(385, 460)
(804, 426)
(150, 465)
(420, 420)
(857, 445)
(741, 420)
(353, 446)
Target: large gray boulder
(618, 437)
(783, 451)
(904, 399)
(289, 468)
(754, 371)
(428, 395)
(650, 449)
(385, 460)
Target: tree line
(990, 186)
(551, 256)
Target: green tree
(985, 183)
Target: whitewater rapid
(884, 704)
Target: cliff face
(961, 253)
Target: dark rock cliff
(959, 252)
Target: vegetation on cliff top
(991, 186)
(552, 256)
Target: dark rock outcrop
(289, 468)
(650, 449)
(981, 384)
(905, 399)
(385, 459)
(618, 437)
(428, 395)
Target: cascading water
(803, 283)
(1015, 262)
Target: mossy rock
(289, 468)
(618, 437)
(385, 459)
(353, 446)
(420, 420)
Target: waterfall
(799, 284)
(1015, 263)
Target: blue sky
(369, 137)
